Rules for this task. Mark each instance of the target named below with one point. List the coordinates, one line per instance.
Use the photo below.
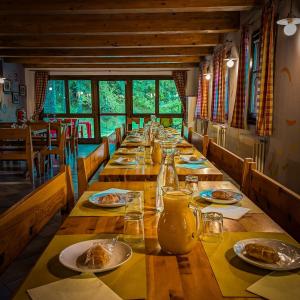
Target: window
(55, 102)
(254, 78)
(80, 95)
(169, 101)
(143, 96)
(112, 99)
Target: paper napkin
(228, 211)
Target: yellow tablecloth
(128, 281)
(234, 276)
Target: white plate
(186, 159)
(68, 257)
(289, 255)
(206, 195)
(94, 200)
(122, 161)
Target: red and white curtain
(219, 72)
(40, 80)
(239, 117)
(265, 90)
(180, 78)
(202, 99)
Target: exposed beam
(217, 22)
(103, 41)
(121, 6)
(113, 66)
(107, 52)
(101, 60)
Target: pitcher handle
(197, 213)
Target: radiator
(259, 152)
(220, 135)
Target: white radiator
(259, 152)
(220, 135)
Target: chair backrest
(131, 120)
(123, 131)
(166, 122)
(41, 125)
(87, 166)
(21, 222)
(276, 200)
(118, 137)
(226, 161)
(146, 120)
(200, 142)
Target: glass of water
(133, 219)
(212, 227)
(191, 183)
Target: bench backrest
(199, 141)
(226, 161)
(21, 222)
(276, 200)
(87, 166)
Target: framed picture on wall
(22, 90)
(15, 98)
(7, 86)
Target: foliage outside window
(169, 101)
(143, 96)
(80, 95)
(55, 101)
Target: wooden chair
(276, 200)
(87, 167)
(118, 138)
(22, 153)
(123, 131)
(226, 161)
(166, 122)
(72, 138)
(146, 120)
(40, 132)
(58, 150)
(130, 121)
(24, 220)
(200, 142)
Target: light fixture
(50, 88)
(2, 80)
(230, 63)
(289, 22)
(207, 76)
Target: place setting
(191, 162)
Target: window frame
(96, 114)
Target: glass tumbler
(191, 183)
(133, 219)
(212, 227)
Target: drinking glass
(133, 219)
(191, 183)
(212, 227)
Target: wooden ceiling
(115, 34)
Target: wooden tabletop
(148, 171)
(169, 277)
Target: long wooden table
(168, 277)
(148, 171)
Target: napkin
(191, 166)
(278, 286)
(228, 211)
(115, 191)
(83, 287)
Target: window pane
(80, 95)
(112, 96)
(55, 102)
(109, 123)
(143, 96)
(177, 124)
(169, 101)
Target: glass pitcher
(167, 174)
(179, 224)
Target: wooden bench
(87, 167)
(228, 162)
(199, 141)
(276, 200)
(24, 220)
(24, 152)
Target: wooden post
(249, 165)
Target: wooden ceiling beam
(121, 6)
(112, 66)
(217, 22)
(107, 52)
(101, 60)
(103, 41)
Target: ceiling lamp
(230, 62)
(289, 22)
(207, 76)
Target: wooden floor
(13, 187)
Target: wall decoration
(291, 122)
(22, 90)
(15, 98)
(7, 86)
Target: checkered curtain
(41, 80)
(180, 78)
(238, 117)
(202, 99)
(265, 74)
(219, 72)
